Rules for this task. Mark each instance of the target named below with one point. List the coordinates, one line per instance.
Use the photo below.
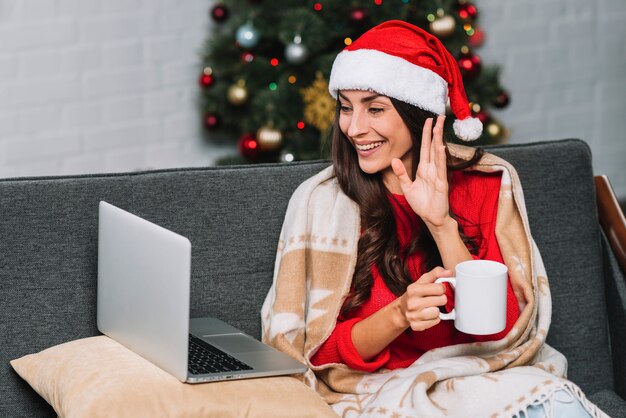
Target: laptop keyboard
(205, 358)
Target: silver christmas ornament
(286, 157)
(296, 52)
(247, 36)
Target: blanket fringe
(547, 401)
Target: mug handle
(452, 313)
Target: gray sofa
(233, 215)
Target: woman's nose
(358, 125)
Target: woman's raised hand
(421, 301)
(428, 193)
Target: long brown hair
(378, 245)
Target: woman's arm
(338, 348)
(362, 343)
(449, 243)
(417, 308)
(373, 334)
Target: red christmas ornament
(502, 99)
(248, 146)
(220, 13)
(247, 57)
(206, 80)
(358, 14)
(470, 65)
(482, 116)
(467, 11)
(212, 121)
(477, 38)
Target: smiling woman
(407, 208)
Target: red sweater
(474, 200)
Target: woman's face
(377, 133)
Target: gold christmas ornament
(269, 138)
(497, 131)
(238, 93)
(443, 25)
(319, 106)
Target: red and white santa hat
(400, 60)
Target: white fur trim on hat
(369, 69)
(468, 129)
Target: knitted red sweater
(474, 200)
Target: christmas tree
(267, 63)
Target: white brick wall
(100, 86)
(565, 64)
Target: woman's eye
(376, 109)
(345, 109)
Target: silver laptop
(143, 303)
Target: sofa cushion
(97, 377)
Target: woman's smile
(365, 147)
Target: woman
(409, 223)
(363, 242)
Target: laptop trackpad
(236, 343)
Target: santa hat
(400, 60)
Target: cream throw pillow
(97, 377)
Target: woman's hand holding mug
(421, 301)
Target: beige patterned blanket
(314, 267)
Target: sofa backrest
(557, 178)
(233, 216)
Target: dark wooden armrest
(612, 219)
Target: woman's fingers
(420, 304)
(422, 290)
(433, 275)
(400, 171)
(424, 325)
(432, 144)
(426, 314)
(442, 169)
(438, 130)
(426, 136)
(436, 135)
(437, 147)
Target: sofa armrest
(611, 218)
(615, 290)
(614, 247)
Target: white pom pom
(468, 129)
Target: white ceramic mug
(479, 297)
